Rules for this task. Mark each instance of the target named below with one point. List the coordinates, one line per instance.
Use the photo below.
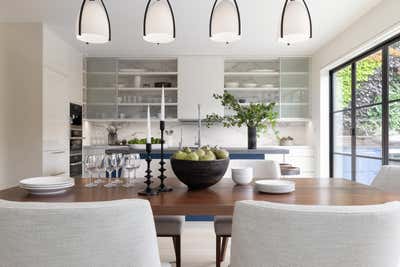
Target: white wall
(20, 102)
(377, 25)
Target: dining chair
(171, 226)
(271, 234)
(263, 169)
(388, 179)
(113, 233)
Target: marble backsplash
(96, 134)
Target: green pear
(221, 154)
(209, 156)
(192, 156)
(205, 148)
(187, 150)
(180, 155)
(200, 152)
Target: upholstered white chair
(269, 235)
(114, 233)
(388, 179)
(263, 169)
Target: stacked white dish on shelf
(47, 185)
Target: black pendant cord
(148, 191)
(162, 177)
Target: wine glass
(132, 162)
(109, 163)
(100, 167)
(119, 163)
(90, 165)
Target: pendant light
(225, 24)
(93, 25)
(159, 22)
(296, 24)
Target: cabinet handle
(58, 152)
(57, 174)
(76, 163)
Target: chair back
(269, 235)
(114, 233)
(388, 179)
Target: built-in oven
(75, 141)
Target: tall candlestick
(148, 139)
(162, 118)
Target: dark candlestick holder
(162, 177)
(148, 191)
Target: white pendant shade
(93, 25)
(225, 22)
(159, 22)
(296, 22)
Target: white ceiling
(260, 24)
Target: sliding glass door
(365, 114)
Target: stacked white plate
(47, 185)
(275, 186)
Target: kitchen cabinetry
(199, 78)
(62, 83)
(55, 111)
(299, 156)
(283, 81)
(119, 89)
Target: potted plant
(257, 117)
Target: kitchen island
(236, 153)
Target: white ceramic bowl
(275, 186)
(242, 176)
(249, 85)
(231, 85)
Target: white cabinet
(299, 156)
(55, 111)
(55, 163)
(199, 78)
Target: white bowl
(249, 85)
(275, 186)
(242, 176)
(231, 85)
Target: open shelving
(287, 81)
(121, 89)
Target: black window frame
(384, 48)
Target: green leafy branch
(260, 116)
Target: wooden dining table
(219, 199)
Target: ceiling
(260, 25)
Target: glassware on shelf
(132, 162)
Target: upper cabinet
(284, 81)
(199, 78)
(121, 89)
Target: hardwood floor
(198, 246)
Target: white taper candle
(148, 139)
(162, 117)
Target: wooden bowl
(199, 174)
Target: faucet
(198, 143)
